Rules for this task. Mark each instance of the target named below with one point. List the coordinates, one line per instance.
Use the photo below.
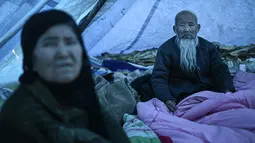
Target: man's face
(186, 26)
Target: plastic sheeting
(11, 56)
(227, 22)
(77, 8)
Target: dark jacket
(170, 82)
(32, 115)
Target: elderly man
(186, 64)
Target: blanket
(205, 117)
(116, 65)
(117, 98)
(137, 131)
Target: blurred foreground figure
(186, 64)
(56, 101)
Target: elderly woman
(56, 101)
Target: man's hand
(171, 105)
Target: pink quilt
(205, 117)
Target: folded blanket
(116, 65)
(117, 97)
(242, 78)
(205, 117)
(137, 131)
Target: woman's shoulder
(17, 98)
(16, 116)
(18, 105)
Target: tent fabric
(10, 54)
(77, 8)
(97, 30)
(107, 5)
(227, 22)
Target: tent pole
(88, 18)
(8, 35)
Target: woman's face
(58, 55)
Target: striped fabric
(137, 131)
(5, 93)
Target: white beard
(188, 52)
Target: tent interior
(121, 26)
(130, 31)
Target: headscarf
(80, 93)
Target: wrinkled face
(58, 55)
(186, 26)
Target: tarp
(148, 23)
(123, 26)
